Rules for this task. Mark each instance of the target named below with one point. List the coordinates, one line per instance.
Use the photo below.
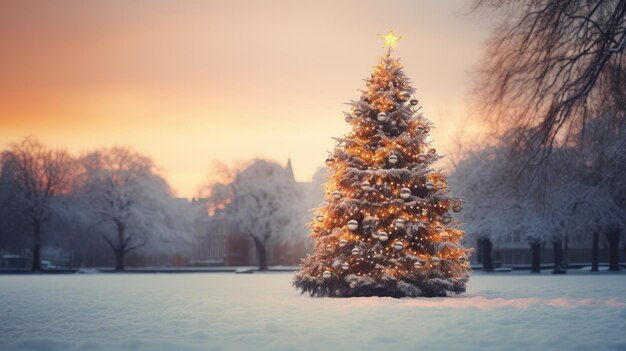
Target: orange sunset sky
(191, 82)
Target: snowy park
(261, 311)
(313, 175)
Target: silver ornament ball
(365, 185)
(353, 225)
(381, 117)
(405, 193)
(446, 218)
(457, 207)
(399, 223)
(382, 236)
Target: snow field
(225, 311)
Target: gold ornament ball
(353, 225)
(404, 96)
(330, 161)
(405, 193)
(326, 274)
(422, 157)
(445, 236)
(381, 117)
(319, 218)
(316, 229)
(382, 236)
(438, 228)
(336, 195)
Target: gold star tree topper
(391, 40)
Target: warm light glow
(185, 91)
(391, 40)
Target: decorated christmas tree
(385, 228)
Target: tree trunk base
(535, 247)
(613, 237)
(36, 258)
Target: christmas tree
(385, 228)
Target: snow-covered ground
(225, 311)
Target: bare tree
(553, 65)
(130, 199)
(261, 201)
(39, 175)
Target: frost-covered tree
(261, 200)
(601, 167)
(385, 229)
(129, 202)
(506, 206)
(33, 177)
(581, 194)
